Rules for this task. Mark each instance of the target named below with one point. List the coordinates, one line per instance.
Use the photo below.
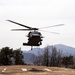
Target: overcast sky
(37, 13)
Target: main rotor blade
(20, 24)
(21, 29)
(52, 26)
(50, 32)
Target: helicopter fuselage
(34, 39)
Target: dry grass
(35, 70)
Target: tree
(53, 61)
(43, 58)
(46, 56)
(18, 57)
(49, 57)
(67, 61)
(38, 60)
(5, 56)
(59, 58)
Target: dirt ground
(35, 70)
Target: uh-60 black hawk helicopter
(34, 37)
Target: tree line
(8, 56)
(50, 56)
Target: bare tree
(49, 57)
(53, 57)
(38, 59)
(59, 58)
(46, 56)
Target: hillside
(66, 50)
(29, 58)
(30, 55)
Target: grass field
(35, 70)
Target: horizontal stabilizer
(27, 44)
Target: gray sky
(37, 13)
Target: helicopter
(34, 36)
